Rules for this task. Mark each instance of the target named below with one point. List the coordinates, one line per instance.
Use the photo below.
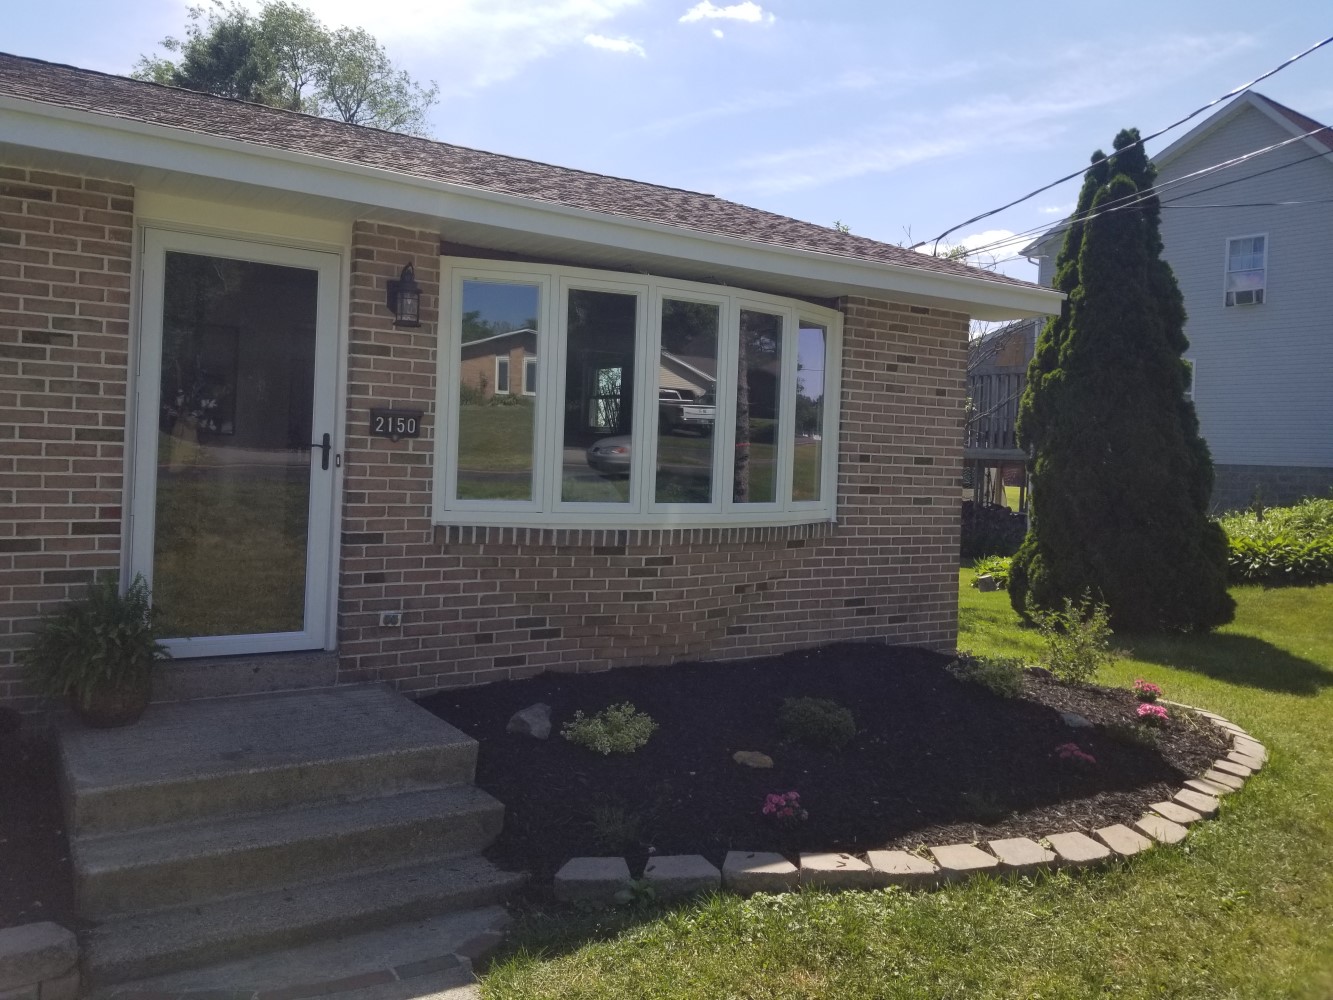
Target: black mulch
(936, 760)
(35, 880)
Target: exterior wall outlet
(391, 619)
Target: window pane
(495, 427)
(808, 450)
(757, 391)
(686, 402)
(599, 397)
(530, 376)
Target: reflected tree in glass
(754, 478)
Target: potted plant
(99, 652)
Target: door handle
(325, 446)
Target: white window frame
(503, 359)
(1226, 270)
(529, 363)
(546, 509)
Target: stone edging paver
(608, 881)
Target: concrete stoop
(225, 829)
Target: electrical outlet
(391, 619)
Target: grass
(1241, 911)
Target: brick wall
(490, 604)
(65, 247)
(1235, 486)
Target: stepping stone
(1231, 767)
(1020, 854)
(30, 953)
(958, 861)
(1207, 787)
(836, 871)
(748, 872)
(591, 880)
(1245, 760)
(1123, 840)
(1160, 828)
(1227, 781)
(1176, 813)
(677, 875)
(1205, 805)
(1077, 849)
(901, 868)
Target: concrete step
(202, 759)
(251, 926)
(120, 873)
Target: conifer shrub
(1121, 477)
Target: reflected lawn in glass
(231, 549)
(495, 452)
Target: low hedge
(1282, 544)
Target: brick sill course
(607, 881)
(559, 537)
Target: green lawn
(1243, 910)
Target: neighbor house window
(1247, 270)
(643, 401)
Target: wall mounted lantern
(404, 298)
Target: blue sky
(890, 117)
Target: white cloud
(899, 136)
(626, 45)
(749, 11)
(1056, 209)
(718, 33)
(469, 44)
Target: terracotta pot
(113, 706)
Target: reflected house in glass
(654, 425)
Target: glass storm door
(234, 461)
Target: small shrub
(817, 722)
(983, 806)
(1127, 732)
(1002, 676)
(1078, 640)
(614, 830)
(997, 567)
(989, 530)
(617, 729)
(1147, 690)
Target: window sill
(630, 537)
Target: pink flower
(1147, 690)
(1154, 715)
(1074, 752)
(784, 806)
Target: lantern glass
(405, 298)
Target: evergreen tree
(1120, 475)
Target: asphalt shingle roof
(170, 107)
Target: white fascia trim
(82, 133)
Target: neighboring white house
(1252, 248)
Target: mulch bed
(35, 879)
(936, 760)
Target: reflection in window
(495, 426)
(686, 402)
(758, 378)
(807, 455)
(599, 397)
(530, 376)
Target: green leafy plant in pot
(100, 652)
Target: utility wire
(1147, 138)
(1140, 196)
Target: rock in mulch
(1075, 721)
(534, 721)
(752, 758)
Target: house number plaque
(395, 424)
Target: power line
(1138, 197)
(1176, 124)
